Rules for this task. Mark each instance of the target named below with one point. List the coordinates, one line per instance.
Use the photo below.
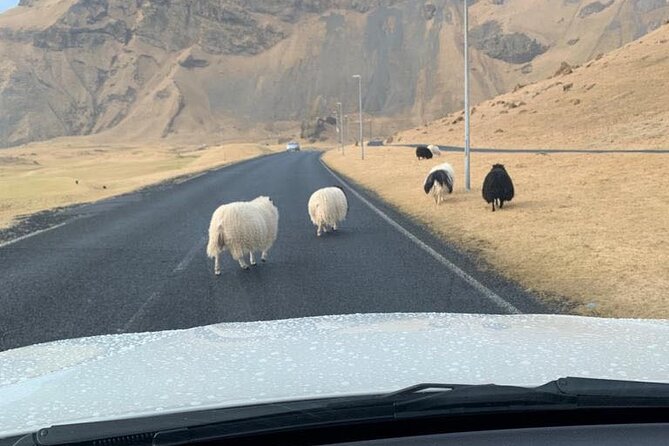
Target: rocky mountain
(218, 68)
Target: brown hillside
(616, 101)
(212, 69)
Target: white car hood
(129, 375)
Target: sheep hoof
(246, 268)
(254, 264)
(263, 260)
(217, 273)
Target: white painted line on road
(197, 247)
(32, 234)
(487, 292)
(192, 177)
(140, 311)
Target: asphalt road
(137, 262)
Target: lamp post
(467, 148)
(340, 121)
(362, 143)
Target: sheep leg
(501, 204)
(263, 257)
(217, 265)
(493, 205)
(334, 227)
(252, 259)
(243, 264)
(319, 231)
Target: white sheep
(327, 208)
(436, 151)
(243, 227)
(439, 182)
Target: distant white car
(293, 146)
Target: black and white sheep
(439, 182)
(497, 186)
(327, 208)
(422, 152)
(243, 227)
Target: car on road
(293, 146)
(375, 142)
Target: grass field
(589, 229)
(42, 176)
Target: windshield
(217, 203)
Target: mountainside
(614, 102)
(218, 68)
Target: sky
(6, 4)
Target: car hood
(232, 364)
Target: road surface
(137, 262)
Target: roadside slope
(617, 101)
(574, 232)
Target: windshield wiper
(415, 402)
(564, 392)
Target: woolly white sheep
(439, 182)
(243, 228)
(327, 207)
(434, 149)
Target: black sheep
(422, 152)
(497, 186)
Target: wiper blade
(564, 392)
(422, 400)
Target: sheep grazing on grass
(497, 186)
(327, 208)
(423, 153)
(434, 149)
(243, 227)
(440, 182)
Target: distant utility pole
(346, 128)
(340, 122)
(467, 151)
(362, 143)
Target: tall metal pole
(467, 152)
(346, 129)
(362, 143)
(340, 121)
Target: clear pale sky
(6, 4)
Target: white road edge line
(487, 292)
(41, 231)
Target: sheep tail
(216, 242)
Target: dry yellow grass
(617, 101)
(590, 228)
(42, 176)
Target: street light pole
(340, 121)
(467, 151)
(347, 128)
(362, 143)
